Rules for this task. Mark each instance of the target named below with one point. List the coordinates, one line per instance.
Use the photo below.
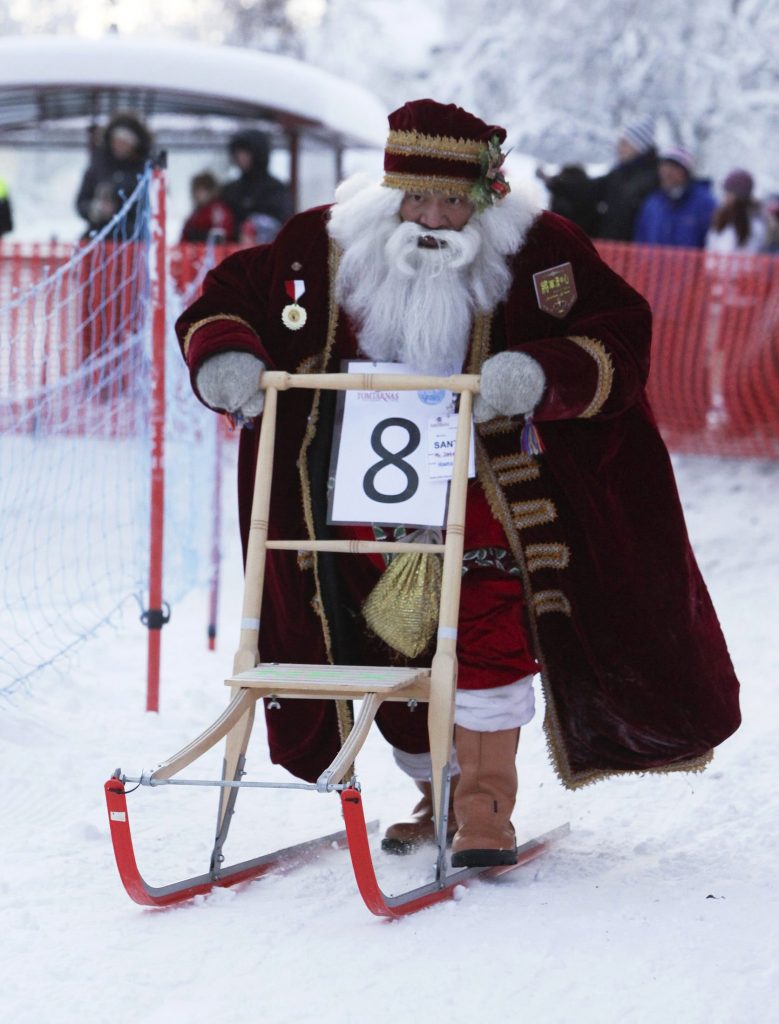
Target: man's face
(436, 210)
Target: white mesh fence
(75, 367)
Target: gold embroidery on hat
(445, 147)
(598, 352)
(533, 513)
(551, 601)
(515, 469)
(428, 183)
(210, 320)
(547, 556)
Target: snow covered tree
(563, 76)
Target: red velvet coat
(635, 669)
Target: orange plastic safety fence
(714, 378)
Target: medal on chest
(293, 316)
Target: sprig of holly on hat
(492, 185)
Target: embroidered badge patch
(555, 290)
(294, 316)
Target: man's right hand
(231, 381)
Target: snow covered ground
(660, 906)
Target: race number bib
(393, 454)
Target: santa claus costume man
(577, 564)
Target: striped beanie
(437, 147)
(640, 134)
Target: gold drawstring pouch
(403, 607)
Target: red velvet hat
(439, 147)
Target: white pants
(491, 710)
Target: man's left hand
(512, 384)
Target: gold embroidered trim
(428, 183)
(480, 341)
(305, 490)
(533, 513)
(498, 425)
(343, 708)
(547, 556)
(577, 780)
(211, 320)
(598, 352)
(551, 601)
(305, 560)
(311, 364)
(515, 469)
(500, 509)
(445, 147)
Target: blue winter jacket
(683, 221)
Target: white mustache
(455, 249)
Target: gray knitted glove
(512, 383)
(231, 381)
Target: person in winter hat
(679, 212)
(577, 564)
(618, 195)
(259, 202)
(739, 224)
(116, 165)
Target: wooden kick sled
(251, 680)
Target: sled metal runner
(252, 680)
(219, 877)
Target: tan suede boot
(485, 798)
(408, 835)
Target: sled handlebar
(282, 381)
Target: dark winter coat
(119, 177)
(680, 222)
(636, 672)
(572, 193)
(619, 194)
(256, 191)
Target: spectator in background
(679, 212)
(738, 224)
(211, 219)
(259, 202)
(607, 206)
(571, 193)
(6, 220)
(771, 207)
(116, 165)
(619, 194)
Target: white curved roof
(51, 77)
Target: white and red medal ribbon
(295, 289)
(293, 316)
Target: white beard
(416, 305)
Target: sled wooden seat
(341, 681)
